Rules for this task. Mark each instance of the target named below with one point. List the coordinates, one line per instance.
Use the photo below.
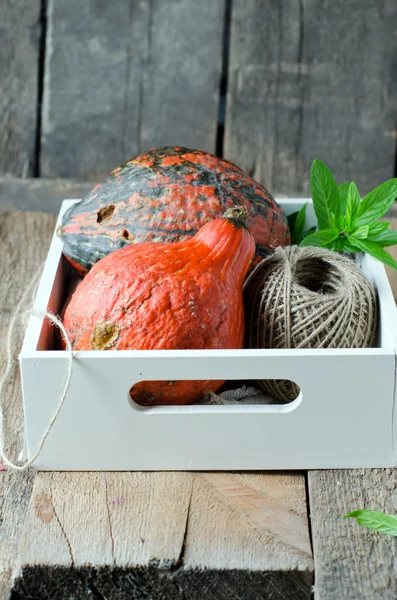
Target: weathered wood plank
(122, 77)
(24, 239)
(108, 503)
(248, 521)
(168, 535)
(312, 80)
(20, 30)
(44, 195)
(181, 80)
(15, 491)
(350, 561)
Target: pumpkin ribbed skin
(166, 195)
(186, 295)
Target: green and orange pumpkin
(166, 195)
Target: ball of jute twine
(308, 298)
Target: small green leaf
(352, 206)
(373, 519)
(299, 226)
(343, 189)
(361, 232)
(384, 238)
(291, 221)
(347, 246)
(375, 249)
(306, 233)
(320, 238)
(296, 223)
(309, 231)
(378, 227)
(325, 195)
(377, 203)
(337, 244)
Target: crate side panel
(334, 425)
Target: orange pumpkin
(185, 295)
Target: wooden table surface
(178, 535)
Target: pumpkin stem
(237, 214)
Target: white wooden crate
(343, 417)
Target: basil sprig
(345, 221)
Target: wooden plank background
(20, 43)
(271, 85)
(122, 77)
(313, 79)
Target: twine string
(308, 298)
(16, 320)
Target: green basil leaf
(384, 238)
(299, 226)
(335, 245)
(352, 206)
(377, 203)
(361, 232)
(325, 195)
(291, 221)
(320, 238)
(306, 233)
(378, 227)
(375, 249)
(340, 244)
(346, 245)
(375, 520)
(343, 189)
(309, 231)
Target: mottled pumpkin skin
(186, 295)
(166, 195)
